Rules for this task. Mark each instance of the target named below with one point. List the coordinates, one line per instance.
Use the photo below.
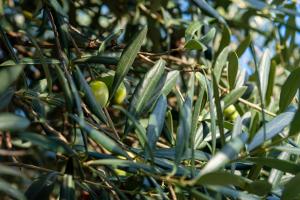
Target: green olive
(100, 92)
(231, 113)
(121, 92)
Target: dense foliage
(210, 109)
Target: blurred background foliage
(211, 107)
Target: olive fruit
(231, 113)
(100, 92)
(121, 92)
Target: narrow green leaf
(276, 175)
(8, 46)
(289, 89)
(264, 70)
(10, 190)
(233, 96)
(6, 97)
(273, 128)
(97, 59)
(220, 62)
(67, 188)
(65, 87)
(185, 120)
(100, 138)
(169, 128)
(42, 187)
(234, 193)
(271, 83)
(195, 117)
(170, 82)
(212, 116)
(169, 153)
(219, 110)
(43, 61)
(282, 165)
(29, 61)
(203, 5)
(8, 75)
(48, 143)
(144, 91)
(120, 163)
(295, 126)
(222, 178)
(195, 45)
(288, 149)
(156, 121)
(227, 153)
(127, 59)
(57, 7)
(208, 36)
(192, 29)
(259, 187)
(7, 170)
(12, 122)
(141, 131)
(243, 46)
(233, 68)
(225, 40)
(291, 189)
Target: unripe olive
(100, 92)
(231, 113)
(121, 92)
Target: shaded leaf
(8, 75)
(203, 5)
(185, 120)
(259, 187)
(291, 189)
(49, 143)
(6, 97)
(243, 46)
(12, 122)
(29, 61)
(156, 121)
(195, 45)
(100, 138)
(97, 59)
(42, 187)
(275, 163)
(67, 189)
(222, 178)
